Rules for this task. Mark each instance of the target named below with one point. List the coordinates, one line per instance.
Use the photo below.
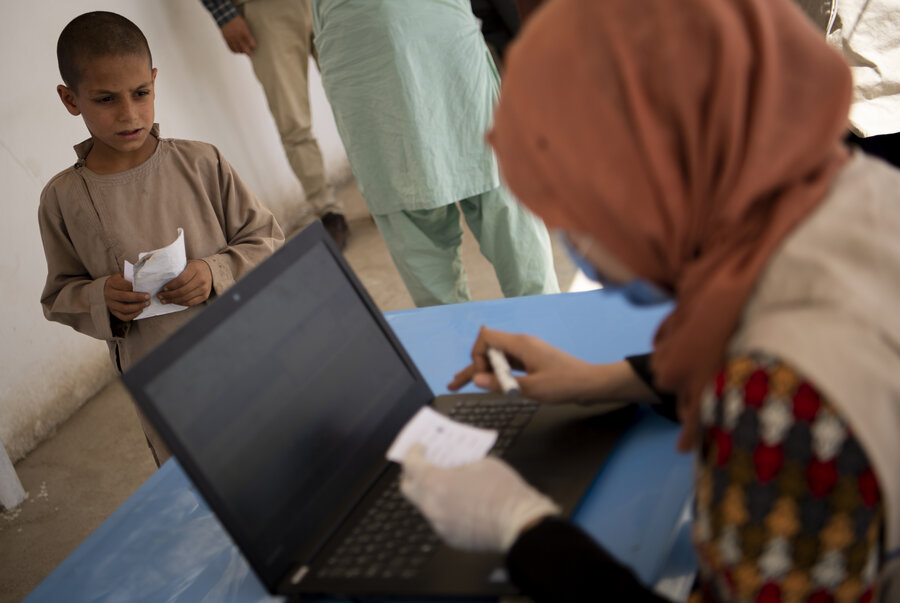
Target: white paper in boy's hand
(447, 442)
(153, 270)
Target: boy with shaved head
(130, 191)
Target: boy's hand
(190, 288)
(123, 302)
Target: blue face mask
(637, 291)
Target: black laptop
(280, 401)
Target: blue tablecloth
(163, 543)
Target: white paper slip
(448, 443)
(153, 270)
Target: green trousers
(425, 246)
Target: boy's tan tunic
(90, 224)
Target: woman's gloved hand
(483, 506)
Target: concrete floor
(99, 457)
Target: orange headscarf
(688, 137)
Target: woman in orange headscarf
(693, 149)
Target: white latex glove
(478, 507)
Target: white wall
(203, 93)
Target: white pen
(498, 361)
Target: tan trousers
(158, 448)
(283, 33)
(161, 452)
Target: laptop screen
(281, 399)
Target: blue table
(163, 543)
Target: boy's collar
(83, 148)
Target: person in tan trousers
(277, 36)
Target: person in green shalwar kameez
(413, 87)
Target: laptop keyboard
(508, 418)
(393, 540)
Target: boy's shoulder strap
(92, 218)
(81, 151)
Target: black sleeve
(556, 561)
(641, 366)
(509, 13)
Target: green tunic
(413, 87)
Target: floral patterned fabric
(787, 506)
